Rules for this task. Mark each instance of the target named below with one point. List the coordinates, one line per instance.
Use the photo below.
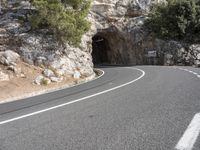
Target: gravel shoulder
(23, 86)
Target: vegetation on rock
(66, 19)
(178, 20)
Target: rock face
(119, 37)
(38, 47)
(118, 32)
(176, 53)
(116, 37)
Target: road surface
(129, 108)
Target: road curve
(148, 108)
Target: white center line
(190, 136)
(75, 101)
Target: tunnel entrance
(100, 50)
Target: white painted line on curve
(50, 90)
(195, 73)
(74, 101)
(190, 72)
(191, 134)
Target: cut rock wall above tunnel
(120, 23)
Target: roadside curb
(98, 73)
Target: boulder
(56, 79)
(194, 51)
(12, 68)
(41, 80)
(48, 73)
(77, 75)
(22, 75)
(38, 79)
(3, 76)
(8, 57)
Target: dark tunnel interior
(100, 50)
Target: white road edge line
(74, 101)
(191, 134)
(190, 72)
(195, 73)
(51, 90)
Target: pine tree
(66, 19)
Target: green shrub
(66, 19)
(179, 19)
(44, 82)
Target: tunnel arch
(110, 46)
(100, 49)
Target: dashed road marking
(196, 74)
(191, 134)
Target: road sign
(151, 54)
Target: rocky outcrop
(119, 23)
(117, 27)
(38, 47)
(116, 37)
(177, 53)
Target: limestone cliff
(119, 24)
(116, 36)
(38, 48)
(119, 36)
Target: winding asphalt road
(143, 108)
